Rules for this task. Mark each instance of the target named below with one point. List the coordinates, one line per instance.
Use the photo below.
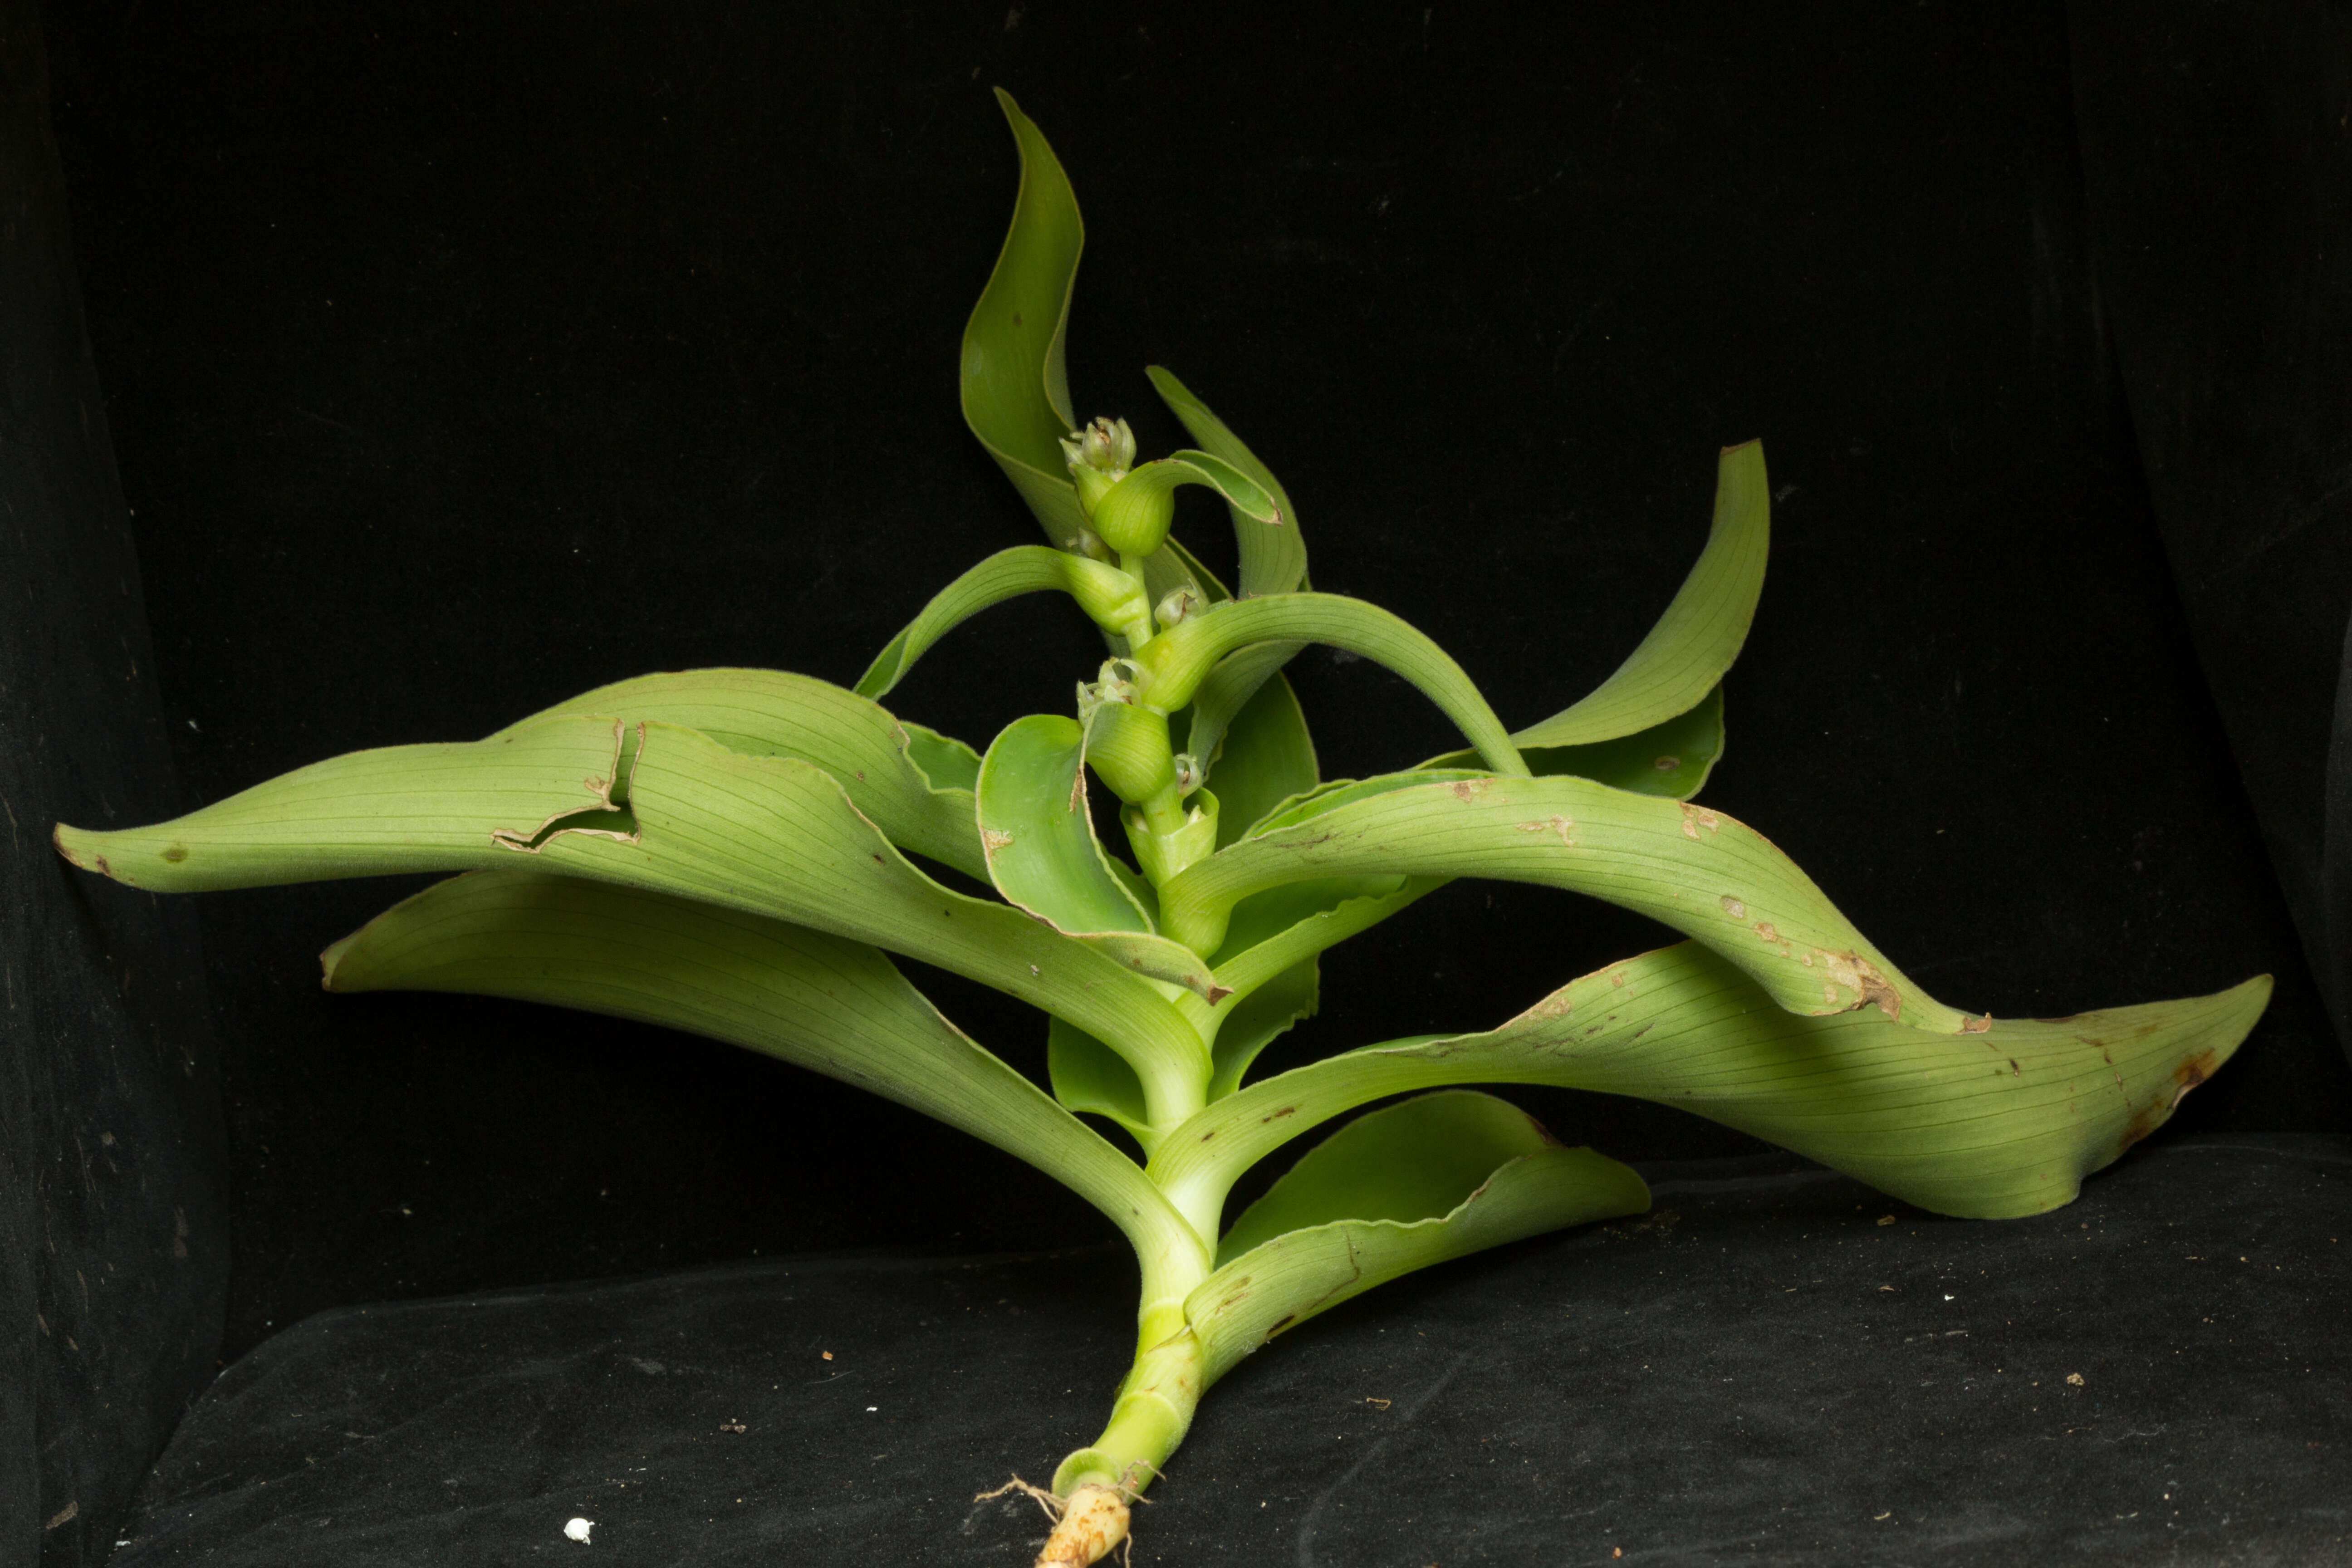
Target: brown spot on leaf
(990, 841)
(103, 868)
(1667, 764)
(176, 853)
(1862, 978)
(1733, 907)
(1467, 790)
(1766, 930)
(1977, 1025)
(1697, 816)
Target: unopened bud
(1188, 772)
(1098, 457)
(1179, 605)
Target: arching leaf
(833, 1006)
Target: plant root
(1088, 1525)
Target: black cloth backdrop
(2219, 156)
(459, 361)
(113, 1258)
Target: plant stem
(1161, 1389)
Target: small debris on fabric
(578, 1528)
(2075, 1378)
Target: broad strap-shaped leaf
(1705, 875)
(1419, 1183)
(1988, 1125)
(1256, 1020)
(833, 1006)
(1672, 758)
(903, 778)
(1272, 931)
(1701, 633)
(1007, 574)
(1180, 658)
(1240, 492)
(1261, 755)
(1014, 382)
(1274, 558)
(1088, 1076)
(1043, 855)
(773, 835)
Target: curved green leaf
(1330, 913)
(1413, 1161)
(1703, 630)
(1704, 874)
(1015, 384)
(1988, 1125)
(1672, 758)
(1260, 1018)
(775, 713)
(1165, 476)
(1182, 657)
(833, 1007)
(773, 836)
(1103, 590)
(1088, 1076)
(1274, 559)
(1044, 856)
(1280, 1283)
(1259, 756)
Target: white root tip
(1093, 1524)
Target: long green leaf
(1704, 874)
(1701, 633)
(1274, 558)
(1988, 1125)
(1280, 1283)
(1015, 382)
(1182, 657)
(773, 835)
(907, 780)
(1414, 1161)
(1088, 1076)
(1007, 574)
(833, 1006)
(1044, 856)
(1672, 758)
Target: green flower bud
(1098, 457)
(1179, 603)
(1128, 748)
(1134, 515)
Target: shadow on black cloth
(1762, 1370)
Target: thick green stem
(1161, 1391)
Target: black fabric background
(113, 1254)
(1758, 1372)
(459, 361)
(2220, 155)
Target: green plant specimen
(734, 852)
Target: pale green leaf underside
(1043, 855)
(1275, 1287)
(1007, 574)
(1672, 758)
(1988, 1125)
(1183, 658)
(1088, 1076)
(774, 835)
(833, 1006)
(1274, 560)
(1414, 1161)
(1015, 384)
(1686, 652)
(768, 713)
(1705, 875)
